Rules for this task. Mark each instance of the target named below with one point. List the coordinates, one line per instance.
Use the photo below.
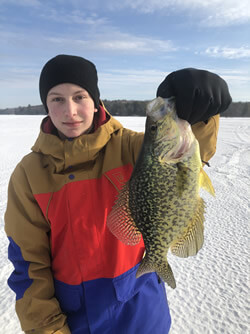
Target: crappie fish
(161, 200)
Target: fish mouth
(160, 107)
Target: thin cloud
(119, 42)
(112, 40)
(132, 75)
(74, 17)
(129, 43)
(211, 13)
(207, 12)
(235, 13)
(227, 52)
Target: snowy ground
(212, 294)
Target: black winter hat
(69, 69)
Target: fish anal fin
(162, 268)
(120, 222)
(191, 241)
(206, 183)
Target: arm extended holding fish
(201, 96)
(161, 201)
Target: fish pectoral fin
(206, 183)
(120, 222)
(162, 268)
(191, 241)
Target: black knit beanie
(69, 69)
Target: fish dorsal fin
(120, 221)
(206, 183)
(191, 241)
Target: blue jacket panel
(122, 305)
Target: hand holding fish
(199, 94)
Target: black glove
(199, 94)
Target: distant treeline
(127, 108)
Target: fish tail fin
(206, 183)
(162, 268)
(191, 241)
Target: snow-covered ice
(212, 294)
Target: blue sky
(133, 43)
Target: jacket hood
(63, 154)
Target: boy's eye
(80, 97)
(57, 99)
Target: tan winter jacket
(56, 170)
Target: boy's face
(71, 110)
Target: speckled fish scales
(161, 201)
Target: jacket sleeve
(134, 142)
(206, 135)
(29, 251)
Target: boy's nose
(70, 108)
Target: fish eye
(153, 128)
